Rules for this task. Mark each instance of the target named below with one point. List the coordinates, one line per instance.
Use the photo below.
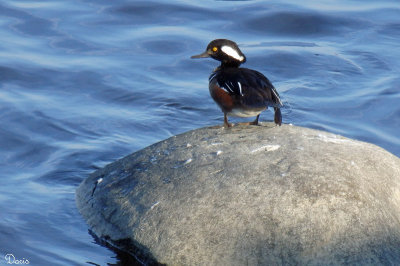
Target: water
(83, 83)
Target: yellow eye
(215, 49)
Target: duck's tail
(278, 116)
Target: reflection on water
(85, 83)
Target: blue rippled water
(83, 83)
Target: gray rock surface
(250, 195)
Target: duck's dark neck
(229, 64)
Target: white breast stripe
(229, 88)
(222, 87)
(277, 97)
(231, 52)
(240, 88)
(233, 86)
(212, 76)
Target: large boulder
(250, 195)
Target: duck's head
(225, 51)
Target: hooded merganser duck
(238, 91)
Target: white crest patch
(231, 52)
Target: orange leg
(255, 122)
(226, 124)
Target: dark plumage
(240, 92)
